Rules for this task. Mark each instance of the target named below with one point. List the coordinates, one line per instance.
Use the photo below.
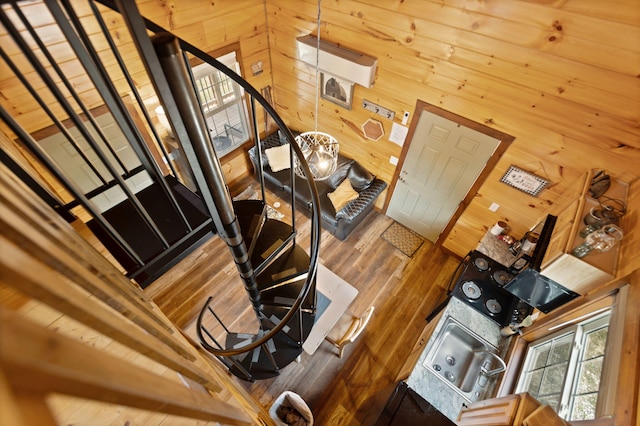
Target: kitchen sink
(463, 360)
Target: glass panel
(533, 381)
(207, 93)
(228, 123)
(540, 354)
(579, 349)
(595, 343)
(551, 400)
(584, 407)
(561, 349)
(553, 379)
(589, 376)
(226, 87)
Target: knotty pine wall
(562, 77)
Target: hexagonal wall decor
(373, 129)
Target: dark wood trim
(505, 141)
(515, 358)
(53, 129)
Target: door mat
(404, 239)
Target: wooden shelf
(581, 274)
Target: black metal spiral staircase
(287, 301)
(277, 272)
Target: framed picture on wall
(336, 90)
(524, 181)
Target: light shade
(320, 150)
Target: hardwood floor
(354, 389)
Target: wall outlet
(393, 160)
(494, 207)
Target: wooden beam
(36, 359)
(9, 410)
(34, 408)
(57, 243)
(24, 273)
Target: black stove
(480, 286)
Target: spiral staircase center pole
(218, 200)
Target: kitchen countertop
(496, 249)
(433, 389)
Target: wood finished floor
(354, 389)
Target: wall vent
(338, 61)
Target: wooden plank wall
(559, 76)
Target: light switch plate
(494, 207)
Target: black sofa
(339, 223)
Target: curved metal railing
(129, 9)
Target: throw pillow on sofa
(342, 168)
(279, 157)
(360, 177)
(343, 194)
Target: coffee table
(340, 295)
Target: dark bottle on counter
(523, 249)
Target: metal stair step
(283, 279)
(275, 238)
(281, 348)
(292, 329)
(251, 216)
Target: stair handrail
(315, 198)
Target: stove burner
(493, 306)
(471, 290)
(480, 286)
(481, 263)
(501, 277)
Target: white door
(81, 174)
(443, 161)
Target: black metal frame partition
(200, 154)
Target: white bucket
(293, 400)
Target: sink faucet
(487, 364)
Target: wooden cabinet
(580, 274)
(508, 410)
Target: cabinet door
(509, 410)
(497, 411)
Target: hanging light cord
(317, 67)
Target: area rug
(402, 238)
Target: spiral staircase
(277, 272)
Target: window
(563, 370)
(223, 105)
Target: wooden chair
(347, 330)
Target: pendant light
(320, 149)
